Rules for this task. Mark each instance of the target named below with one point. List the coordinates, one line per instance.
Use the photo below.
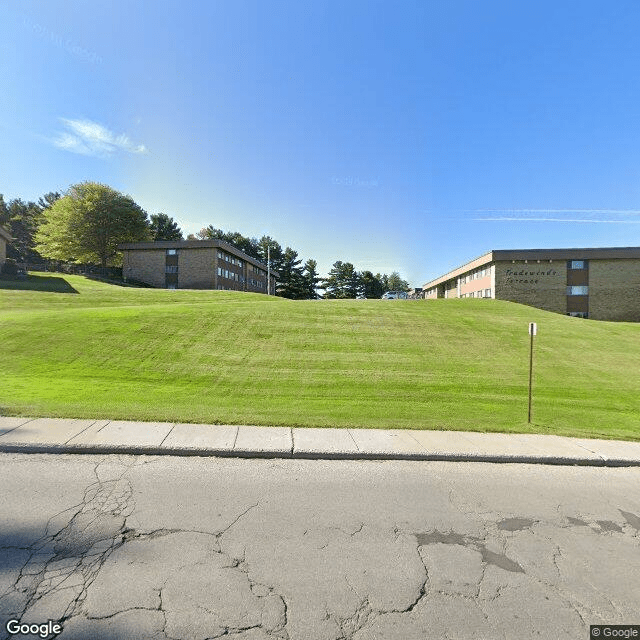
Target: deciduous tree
(89, 223)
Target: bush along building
(602, 284)
(195, 264)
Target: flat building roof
(500, 255)
(192, 244)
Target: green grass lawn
(74, 347)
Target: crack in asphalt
(94, 529)
(75, 552)
(78, 541)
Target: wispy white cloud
(587, 211)
(92, 139)
(511, 219)
(556, 215)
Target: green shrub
(10, 267)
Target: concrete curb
(313, 455)
(103, 437)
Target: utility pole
(268, 270)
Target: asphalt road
(195, 548)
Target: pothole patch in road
(488, 557)
(632, 519)
(442, 538)
(515, 524)
(608, 525)
(499, 560)
(577, 522)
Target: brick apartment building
(5, 237)
(602, 284)
(194, 264)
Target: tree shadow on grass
(51, 284)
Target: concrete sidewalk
(54, 435)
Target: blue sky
(408, 136)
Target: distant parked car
(395, 295)
(361, 297)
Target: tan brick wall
(542, 285)
(451, 289)
(196, 268)
(145, 266)
(614, 290)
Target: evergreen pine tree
(291, 282)
(311, 279)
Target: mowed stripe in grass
(223, 357)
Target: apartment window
(578, 291)
(172, 252)
(577, 264)
(487, 293)
(220, 271)
(171, 269)
(220, 255)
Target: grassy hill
(73, 347)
